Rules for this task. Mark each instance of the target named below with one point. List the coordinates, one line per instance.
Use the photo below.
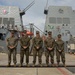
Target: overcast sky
(35, 13)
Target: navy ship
(11, 19)
(60, 20)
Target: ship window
(0, 20)
(2, 36)
(59, 20)
(66, 20)
(5, 21)
(52, 20)
(11, 21)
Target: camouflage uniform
(12, 41)
(49, 43)
(37, 42)
(24, 41)
(60, 51)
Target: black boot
(8, 64)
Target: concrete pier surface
(4, 70)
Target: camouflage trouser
(26, 52)
(62, 55)
(51, 54)
(10, 52)
(35, 51)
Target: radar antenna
(46, 8)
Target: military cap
(59, 35)
(37, 32)
(12, 32)
(49, 32)
(25, 31)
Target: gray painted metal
(60, 19)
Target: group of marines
(51, 47)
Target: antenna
(46, 5)
(46, 10)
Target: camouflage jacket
(12, 41)
(25, 41)
(37, 42)
(60, 45)
(50, 42)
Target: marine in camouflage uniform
(37, 48)
(12, 45)
(49, 44)
(60, 50)
(25, 43)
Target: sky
(36, 13)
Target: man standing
(49, 44)
(60, 50)
(25, 43)
(37, 48)
(12, 42)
